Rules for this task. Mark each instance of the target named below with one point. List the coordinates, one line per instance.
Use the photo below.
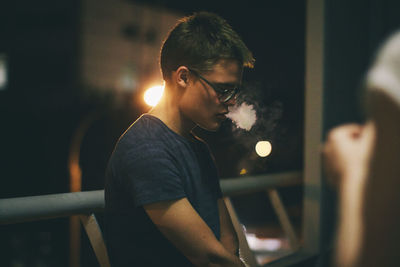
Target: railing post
(95, 236)
(244, 248)
(283, 218)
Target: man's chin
(211, 127)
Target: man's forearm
(225, 260)
(216, 255)
(182, 225)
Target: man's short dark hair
(199, 41)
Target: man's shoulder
(145, 130)
(143, 127)
(148, 135)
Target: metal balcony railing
(85, 204)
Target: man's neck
(167, 110)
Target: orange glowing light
(153, 95)
(263, 148)
(243, 171)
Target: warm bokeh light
(153, 95)
(263, 148)
(243, 171)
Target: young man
(164, 204)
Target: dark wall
(40, 41)
(354, 31)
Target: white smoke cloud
(243, 116)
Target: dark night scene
(199, 133)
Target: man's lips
(222, 115)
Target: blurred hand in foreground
(347, 152)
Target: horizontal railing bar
(23, 209)
(249, 184)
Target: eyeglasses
(224, 95)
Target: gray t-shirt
(151, 163)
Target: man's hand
(347, 152)
(185, 229)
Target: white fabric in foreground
(385, 73)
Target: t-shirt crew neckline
(194, 139)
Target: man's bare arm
(182, 225)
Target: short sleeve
(151, 175)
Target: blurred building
(60, 61)
(121, 43)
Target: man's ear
(182, 76)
